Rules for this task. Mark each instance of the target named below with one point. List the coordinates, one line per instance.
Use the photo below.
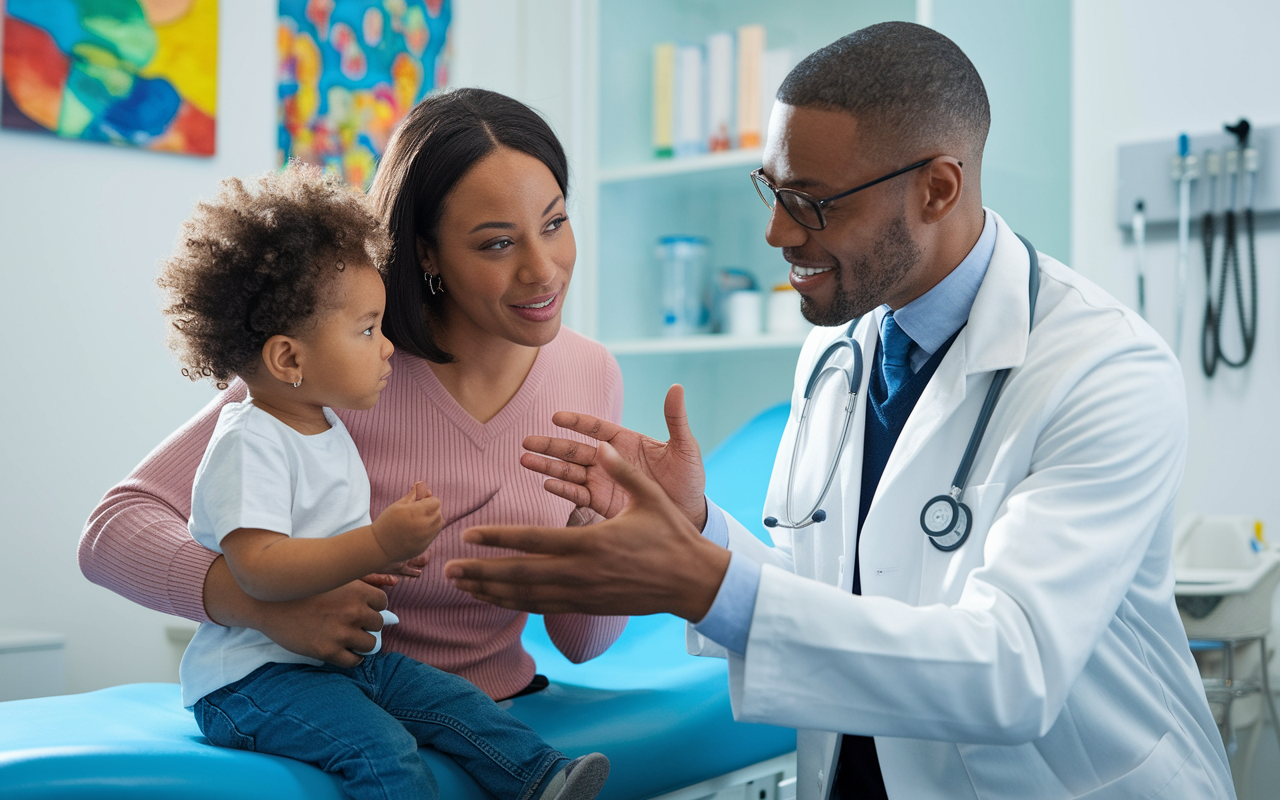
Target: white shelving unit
(625, 200)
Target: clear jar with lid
(682, 264)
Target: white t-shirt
(258, 472)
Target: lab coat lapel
(867, 336)
(994, 338)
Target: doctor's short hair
(914, 88)
(259, 260)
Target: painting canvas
(349, 72)
(141, 73)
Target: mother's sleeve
(582, 637)
(136, 541)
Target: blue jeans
(366, 724)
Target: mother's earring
(435, 283)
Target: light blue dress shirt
(930, 320)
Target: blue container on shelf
(682, 264)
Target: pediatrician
(1005, 630)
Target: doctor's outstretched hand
(574, 473)
(647, 559)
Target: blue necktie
(894, 345)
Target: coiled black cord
(1211, 340)
(1208, 333)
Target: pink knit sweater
(136, 541)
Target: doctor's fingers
(533, 540)
(600, 429)
(677, 418)
(578, 495)
(555, 468)
(521, 573)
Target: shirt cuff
(716, 528)
(728, 622)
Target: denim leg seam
(456, 725)
(317, 731)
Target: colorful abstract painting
(141, 73)
(349, 72)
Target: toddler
(280, 284)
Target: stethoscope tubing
(939, 539)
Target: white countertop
(15, 640)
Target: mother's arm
(582, 637)
(137, 545)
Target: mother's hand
(330, 627)
(573, 471)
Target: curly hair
(258, 261)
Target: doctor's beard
(894, 255)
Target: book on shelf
(750, 85)
(690, 136)
(774, 66)
(719, 91)
(664, 93)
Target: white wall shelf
(709, 343)
(626, 200)
(666, 167)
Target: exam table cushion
(661, 716)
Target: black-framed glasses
(807, 209)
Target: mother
(473, 187)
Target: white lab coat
(1045, 657)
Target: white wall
(89, 387)
(1150, 69)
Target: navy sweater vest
(858, 774)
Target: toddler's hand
(409, 525)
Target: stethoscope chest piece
(946, 522)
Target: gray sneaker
(581, 779)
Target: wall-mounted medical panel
(1147, 172)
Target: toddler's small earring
(297, 383)
(435, 283)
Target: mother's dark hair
(442, 138)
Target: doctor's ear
(943, 179)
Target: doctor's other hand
(647, 559)
(573, 470)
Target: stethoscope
(944, 518)
(1241, 172)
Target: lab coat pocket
(1157, 775)
(1018, 771)
(944, 573)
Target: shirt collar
(933, 317)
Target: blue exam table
(661, 715)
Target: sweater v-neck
(480, 433)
